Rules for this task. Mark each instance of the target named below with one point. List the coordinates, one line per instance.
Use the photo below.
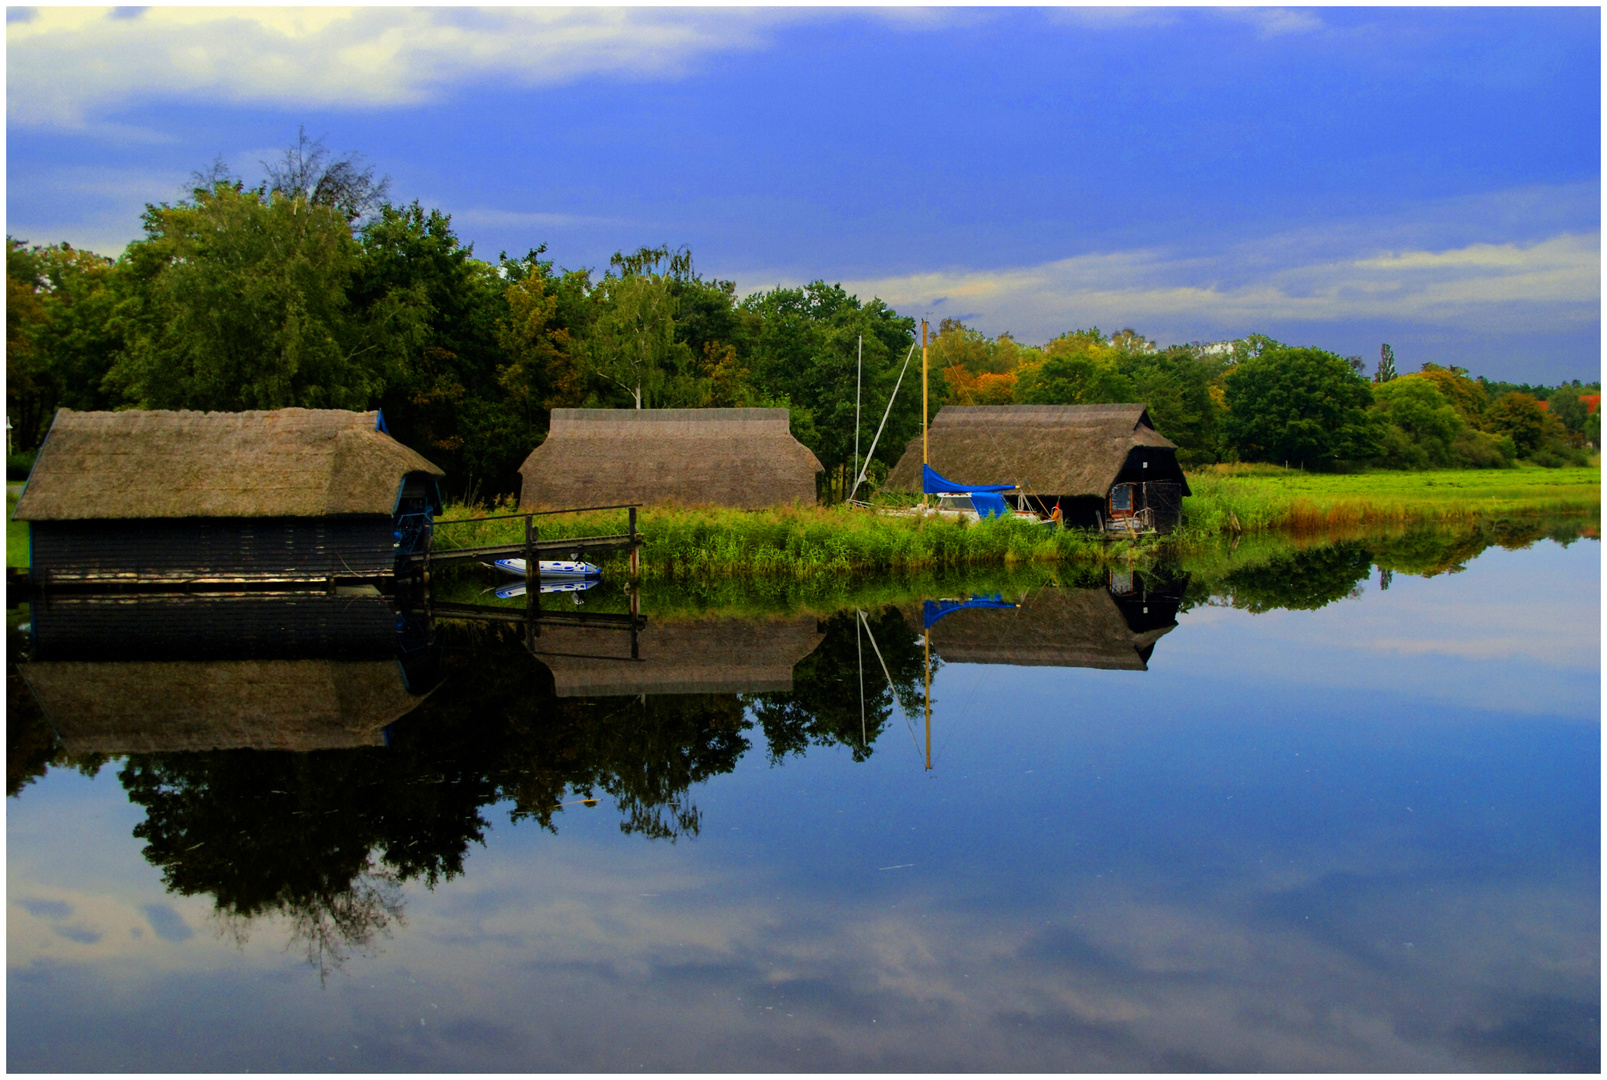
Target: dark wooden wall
(213, 549)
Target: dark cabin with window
(294, 495)
(1104, 466)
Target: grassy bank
(1260, 497)
(806, 542)
(16, 533)
(800, 542)
(1268, 568)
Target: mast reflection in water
(294, 755)
(1094, 860)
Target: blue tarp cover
(933, 610)
(932, 484)
(984, 497)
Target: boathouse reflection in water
(305, 755)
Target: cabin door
(1121, 500)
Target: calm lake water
(1284, 820)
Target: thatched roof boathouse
(745, 458)
(697, 656)
(137, 672)
(137, 707)
(1105, 466)
(294, 495)
(1065, 627)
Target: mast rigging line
(905, 712)
(860, 479)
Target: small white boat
(576, 585)
(552, 569)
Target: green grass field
(1268, 497)
(16, 533)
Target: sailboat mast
(859, 647)
(924, 411)
(859, 379)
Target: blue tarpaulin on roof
(933, 610)
(984, 497)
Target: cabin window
(1121, 499)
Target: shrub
(1481, 450)
(1415, 406)
(18, 466)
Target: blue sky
(1332, 177)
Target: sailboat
(967, 502)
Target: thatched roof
(139, 707)
(1055, 628)
(159, 464)
(705, 656)
(729, 457)
(1052, 449)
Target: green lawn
(16, 533)
(1270, 497)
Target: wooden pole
(929, 698)
(636, 612)
(532, 576)
(636, 548)
(924, 410)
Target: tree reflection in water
(840, 694)
(327, 839)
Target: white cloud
(1552, 283)
(1273, 22)
(363, 57)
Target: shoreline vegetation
(1247, 506)
(1257, 571)
(1233, 502)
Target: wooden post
(636, 556)
(636, 611)
(532, 576)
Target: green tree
(540, 373)
(1566, 404)
(1176, 385)
(1299, 405)
(1519, 417)
(1427, 423)
(451, 401)
(1079, 367)
(632, 344)
(806, 356)
(1465, 395)
(238, 300)
(60, 339)
(1386, 365)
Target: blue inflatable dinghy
(552, 569)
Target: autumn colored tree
(1519, 417)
